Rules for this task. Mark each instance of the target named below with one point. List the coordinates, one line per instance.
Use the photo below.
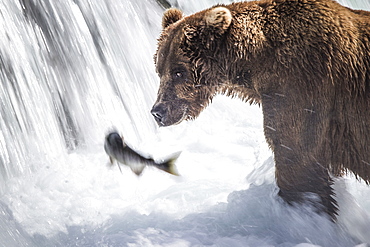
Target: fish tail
(170, 166)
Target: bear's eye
(178, 75)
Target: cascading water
(63, 74)
(72, 69)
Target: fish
(118, 150)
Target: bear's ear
(218, 18)
(171, 16)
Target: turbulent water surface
(71, 70)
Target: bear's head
(189, 72)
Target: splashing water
(73, 69)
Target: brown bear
(306, 62)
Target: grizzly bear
(305, 62)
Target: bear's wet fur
(306, 62)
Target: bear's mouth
(167, 115)
(183, 117)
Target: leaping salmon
(118, 150)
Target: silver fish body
(118, 150)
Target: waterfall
(68, 70)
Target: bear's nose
(159, 112)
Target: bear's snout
(159, 112)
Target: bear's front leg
(295, 132)
(304, 183)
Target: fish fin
(119, 168)
(170, 166)
(110, 163)
(138, 169)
